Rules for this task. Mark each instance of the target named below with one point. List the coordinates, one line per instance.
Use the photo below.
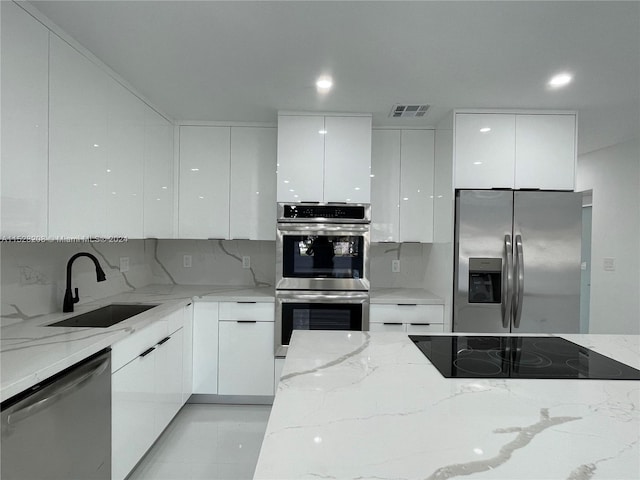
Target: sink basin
(104, 317)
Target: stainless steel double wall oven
(322, 268)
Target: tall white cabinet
(324, 158)
(402, 186)
(25, 58)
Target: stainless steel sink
(104, 317)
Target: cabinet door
(204, 182)
(484, 150)
(545, 152)
(385, 185)
(158, 176)
(187, 354)
(168, 379)
(132, 414)
(300, 158)
(416, 186)
(78, 143)
(25, 96)
(125, 162)
(205, 347)
(347, 159)
(246, 358)
(253, 183)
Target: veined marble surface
(31, 352)
(372, 406)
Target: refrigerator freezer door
(483, 234)
(547, 263)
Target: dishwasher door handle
(54, 392)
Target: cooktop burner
(518, 357)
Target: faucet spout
(69, 298)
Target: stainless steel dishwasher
(61, 428)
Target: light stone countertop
(31, 352)
(370, 405)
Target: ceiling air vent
(408, 110)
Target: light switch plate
(124, 264)
(186, 261)
(246, 262)
(395, 266)
(609, 264)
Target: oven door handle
(316, 228)
(321, 297)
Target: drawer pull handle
(246, 321)
(418, 324)
(147, 351)
(164, 340)
(246, 302)
(392, 323)
(407, 304)
(188, 304)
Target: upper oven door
(322, 256)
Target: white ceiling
(244, 61)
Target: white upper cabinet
(545, 152)
(25, 58)
(204, 182)
(324, 158)
(402, 186)
(125, 162)
(347, 159)
(253, 183)
(96, 149)
(385, 185)
(78, 144)
(515, 150)
(416, 186)
(300, 158)
(158, 176)
(485, 146)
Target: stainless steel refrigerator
(517, 261)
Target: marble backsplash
(33, 275)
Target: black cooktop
(518, 357)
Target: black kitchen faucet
(69, 298)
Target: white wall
(613, 174)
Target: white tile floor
(206, 441)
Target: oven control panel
(324, 212)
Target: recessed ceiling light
(324, 84)
(485, 129)
(560, 80)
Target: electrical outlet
(124, 264)
(186, 261)
(246, 262)
(609, 264)
(395, 266)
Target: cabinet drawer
(258, 311)
(417, 329)
(406, 313)
(386, 327)
(129, 348)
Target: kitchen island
(371, 406)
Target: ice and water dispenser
(485, 280)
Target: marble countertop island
(366, 405)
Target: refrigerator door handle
(520, 282)
(507, 286)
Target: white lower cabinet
(245, 348)
(187, 353)
(406, 317)
(146, 389)
(246, 358)
(205, 348)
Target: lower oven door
(318, 310)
